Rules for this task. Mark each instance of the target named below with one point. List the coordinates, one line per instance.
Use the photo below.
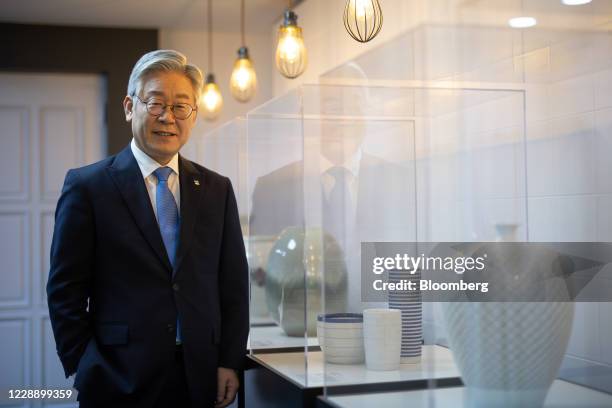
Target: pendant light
(212, 100)
(363, 19)
(243, 82)
(291, 58)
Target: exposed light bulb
(291, 57)
(243, 82)
(361, 7)
(290, 47)
(212, 100)
(522, 22)
(363, 19)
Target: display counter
(272, 337)
(275, 378)
(436, 363)
(562, 394)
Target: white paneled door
(48, 124)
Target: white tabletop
(562, 394)
(271, 337)
(308, 370)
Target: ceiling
(260, 14)
(176, 14)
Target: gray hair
(165, 61)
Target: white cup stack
(382, 338)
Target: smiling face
(161, 137)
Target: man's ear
(128, 108)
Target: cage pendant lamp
(243, 81)
(291, 56)
(212, 100)
(363, 19)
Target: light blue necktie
(168, 219)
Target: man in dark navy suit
(148, 290)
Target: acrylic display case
(224, 150)
(493, 164)
(420, 143)
(333, 166)
(294, 144)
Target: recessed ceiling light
(575, 2)
(522, 22)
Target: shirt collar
(147, 164)
(351, 164)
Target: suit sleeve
(68, 286)
(233, 288)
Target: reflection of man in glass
(355, 196)
(339, 160)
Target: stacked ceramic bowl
(410, 304)
(341, 337)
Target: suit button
(170, 328)
(176, 287)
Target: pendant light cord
(210, 42)
(242, 23)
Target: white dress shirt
(148, 166)
(344, 217)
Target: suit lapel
(128, 178)
(193, 187)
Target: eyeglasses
(156, 107)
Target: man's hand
(227, 386)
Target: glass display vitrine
(498, 135)
(504, 155)
(315, 150)
(333, 166)
(460, 178)
(224, 150)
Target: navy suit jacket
(384, 208)
(114, 297)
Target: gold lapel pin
(196, 182)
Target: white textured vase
(508, 353)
